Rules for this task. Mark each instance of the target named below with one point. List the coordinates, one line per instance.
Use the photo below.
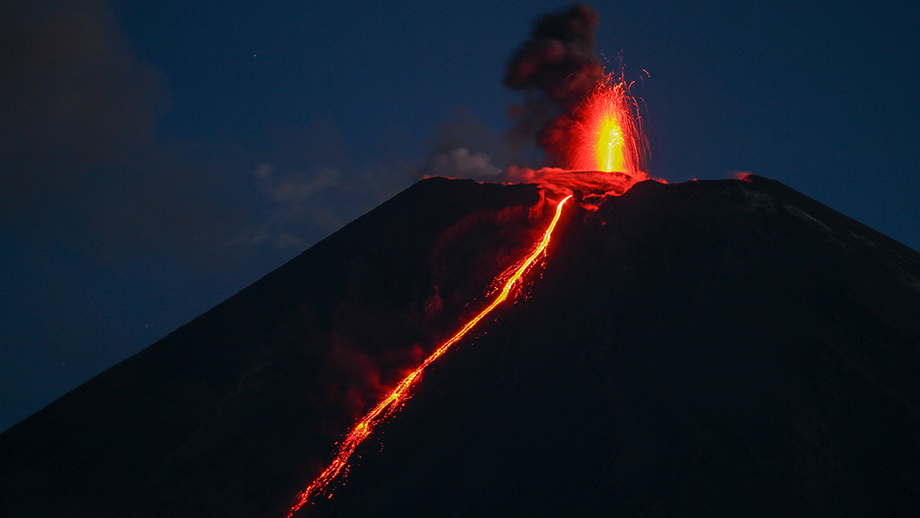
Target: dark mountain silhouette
(711, 348)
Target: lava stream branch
(398, 396)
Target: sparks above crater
(606, 133)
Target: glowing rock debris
(398, 396)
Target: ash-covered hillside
(716, 348)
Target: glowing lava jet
(603, 149)
(398, 396)
(605, 135)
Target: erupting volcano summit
(585, 342)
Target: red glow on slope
(606, 134)
(399, 395)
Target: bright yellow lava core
(609, 150)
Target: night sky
(157, 157)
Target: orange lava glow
(606, 134)
(399, 395)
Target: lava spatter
(606, 135)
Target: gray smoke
(557, 68)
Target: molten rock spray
(584, 119)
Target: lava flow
(398, 396)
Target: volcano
(717, 348)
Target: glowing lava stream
(395, 399)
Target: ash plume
(557, 68)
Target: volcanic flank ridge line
(690, 346)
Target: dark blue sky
(157, 157)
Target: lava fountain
(606, 133)
(604, 148)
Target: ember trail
(399, 395)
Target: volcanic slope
(232, 414)
(717, 348)
(711, 348)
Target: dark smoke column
(560, 61)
